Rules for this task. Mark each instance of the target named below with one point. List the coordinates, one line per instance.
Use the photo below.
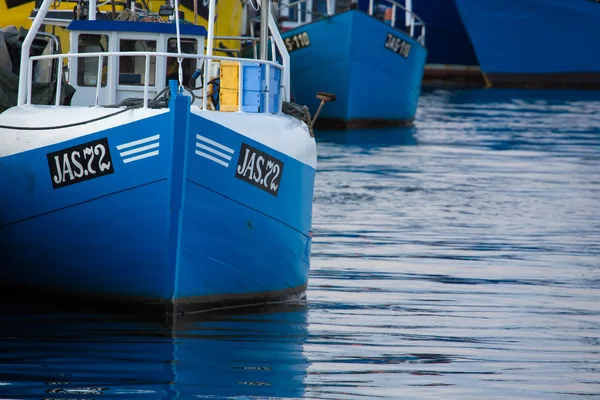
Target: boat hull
(451, 59)
(170, 226)
(347, 56)
(534, 43)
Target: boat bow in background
(535, 43)
(372, 59)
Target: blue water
(458, 259)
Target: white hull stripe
(215, 159)
(138, 142)
(218, 152)
(140, 157)
(216, 144)
(141, 152)
(139, 149)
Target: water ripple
(457, 259)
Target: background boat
(451, 59)
(372, 59)
(535, 43)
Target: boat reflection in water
(242, 356)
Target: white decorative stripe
(280, 132)
(216, 144)
(138, 142)
(221, 158)
(217, 152)
(139, 149)
(215, 159)
(141, 156)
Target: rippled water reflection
(457, 259)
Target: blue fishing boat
(371, 58)
(164, 177)
(535, 43)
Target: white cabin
(124, 76)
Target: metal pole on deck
(24, 69)
(331, 7)
(209, 51)
(408, 13)
(264, 28)
(92, 12)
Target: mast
(264, 28)
(209, 50)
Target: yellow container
(229, 92)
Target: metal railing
(303, 16)
(147, 55)
(412, 20)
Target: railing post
(264, 27)
(267, 87)
(273, 50)
(146, 80)
(285, 56)
(408, 18)
(99, 81)
(330, 7)
(308, 14)
(59, 81)
(209, 51)
(371, 7)
(393, 15)
(29, 81)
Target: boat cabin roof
(135, 26)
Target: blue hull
(535, 43)
(168, 227)
(347, 56)
(447, 40)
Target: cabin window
(87, 67)
(188, 46)
(132, 69)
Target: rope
(300, 112)
(126, 15)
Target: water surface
(457, 259)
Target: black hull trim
(573, 80)
(146, 308)
(337, 124)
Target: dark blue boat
(535, 43)
(372, 59)
(451, 58)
